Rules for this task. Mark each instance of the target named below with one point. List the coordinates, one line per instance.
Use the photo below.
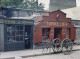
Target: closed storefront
(13, 34)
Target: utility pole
(36, 6)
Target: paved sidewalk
(19, 54)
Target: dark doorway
(27, 36)
(57, 32)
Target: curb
(45, 54)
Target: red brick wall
(52, 18)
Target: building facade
(11, 12)
(13, 29)
(77, 26)
(61, 4)
(74, 14)
(12, 34)
(53, 25)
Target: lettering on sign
(57, 23)
(9, 21)
(18, 22)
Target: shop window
(23, 14)
(45, 33)
(15, 13)
(14, 33)
(76, 22)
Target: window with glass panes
(15, 33)
(45, 33)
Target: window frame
(13, 37)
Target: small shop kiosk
(53, 25)
(12, 34)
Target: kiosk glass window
(45, 33)
(14, 33)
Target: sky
(46, 2)
(78, 2)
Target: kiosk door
(57, 32)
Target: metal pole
(37, 6)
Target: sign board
(57, 23)
(19, 22)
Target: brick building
(53, 25)
(74, 14)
